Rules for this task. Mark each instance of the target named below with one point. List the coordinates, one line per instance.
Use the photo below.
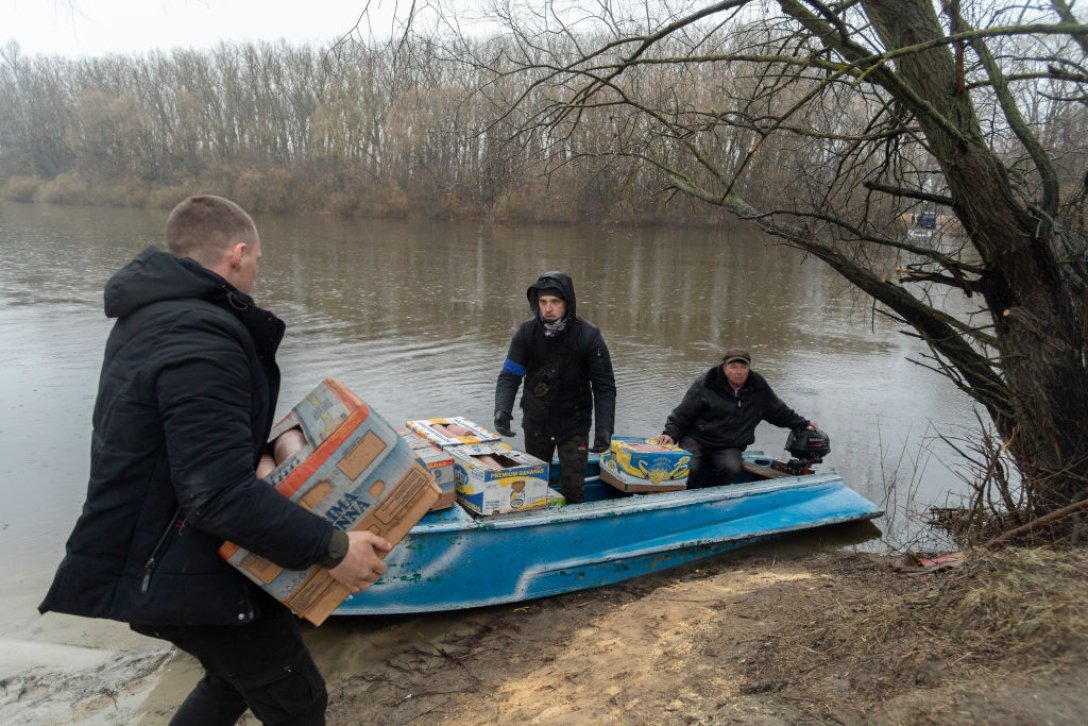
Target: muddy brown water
(416, 318)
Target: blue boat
(452, 559)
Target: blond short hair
(204, 227)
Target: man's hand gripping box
(353, 470)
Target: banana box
(495, 478)
(452, 431)
(439, 462)
(555, 498)
(634, 464)
(353, 470)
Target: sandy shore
(757, 638)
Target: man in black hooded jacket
(718, 417)
(568, 376)
(185, 405)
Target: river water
(416, 317)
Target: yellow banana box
(635, 464)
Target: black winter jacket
(718, 417)
(567, 377)
(185, 404)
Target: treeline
(356, 132)
(391, 131)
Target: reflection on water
(416, 318)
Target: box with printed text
(495, 478)
(438, 461)
(634, 464)
(355, 471)
(452, 431)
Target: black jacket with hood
(718, 417)
(185, 404)
(568, 377)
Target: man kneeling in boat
(717, 419)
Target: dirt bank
(832, 637)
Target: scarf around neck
(553, 329)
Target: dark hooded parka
(185, 403)
(568, 376)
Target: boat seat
(763, 472)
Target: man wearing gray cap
(718, 417)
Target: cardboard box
(611, 474)
(645, 458)
(357, 473)
(436, 430)
(495, 478)
(439, 462)
(555, 498)
(639, 465)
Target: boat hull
(452, 560)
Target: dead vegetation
(879, 636)
(1000, 507)
(832, 637)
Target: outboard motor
(807, 448)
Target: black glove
(502, 423)
(602, 441)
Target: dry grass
(830, 637)
(1030, 604)
(879, 634)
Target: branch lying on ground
(1039, 523)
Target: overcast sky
(98, 27)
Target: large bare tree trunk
(1038, 318)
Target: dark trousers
(573, 455)
(264, 666)
(711, 468)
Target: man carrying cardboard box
(185, 404)
(568, 375)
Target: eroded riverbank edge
(824, 637)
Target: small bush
(167, 197)
(65, 189)
(342, 204)
(126, 193)
(385, 201)
(20, 189)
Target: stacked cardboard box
(353, 470)
(495, 478)
(555, 498)
(452, 431)
(635, 464)
(439, 462)
(491, 477)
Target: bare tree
(833, 124)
